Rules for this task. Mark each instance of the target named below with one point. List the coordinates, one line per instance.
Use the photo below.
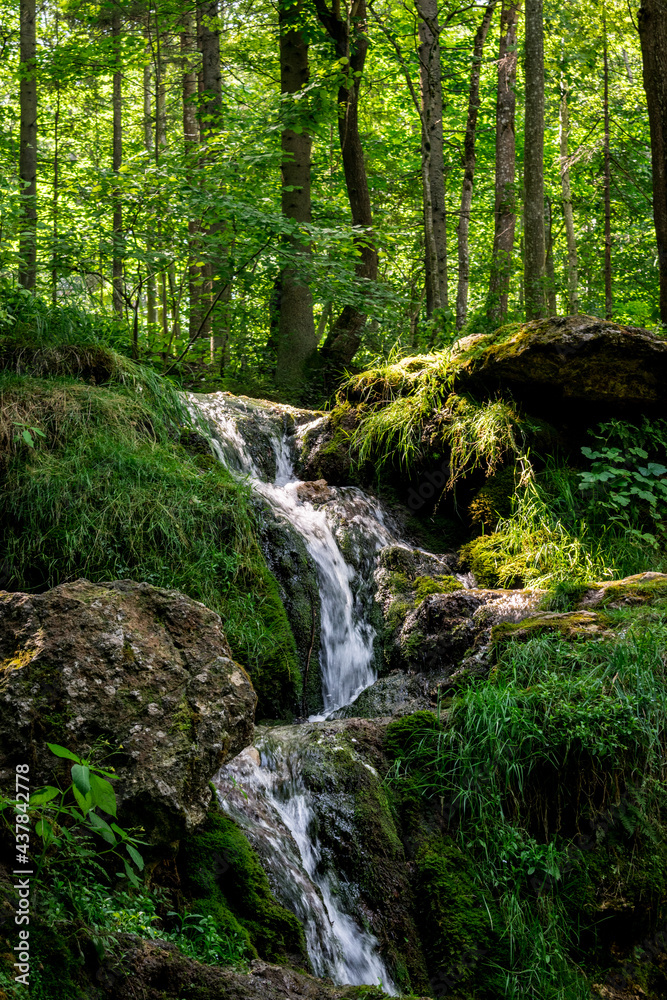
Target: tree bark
(151, 314)
(550, 273)
(351, 44)
(469, 167)
(209, 114)
(28, 146)
(297, 337)
(608, 297)
(535, 251)
(117, 265)
(505, 197)
(433, 160)
(568, 214)
(653, 37)
(191, 141)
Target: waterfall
(346, 653)
(276, 809)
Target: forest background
(254, 194)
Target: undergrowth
(564, 738)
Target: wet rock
(326, 451)
(296, 574)
(396, 694)
(160, 972)
(254, 426)
(316, 493)
(577, 361)
(643, 588)
(320, 790)
(144, 668)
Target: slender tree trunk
(151, 317)
(117, 265)
(552, 307)
(351, 43)
(535, 251)
(469, 167)
(209, 113)
(191, 141)
(653, 36)
(28, 145)
(568, 214)
(608, 298)
(56, 196)
(505, 197)
(297, 337)
(433, 159)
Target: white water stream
(276, 809)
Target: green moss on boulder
(227, 881)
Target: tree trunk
(433, 160)
(552, 307)
(351, 43)
(653, 36)
(469, 167)
(572, 263)
(505, 200)
(297, 338)
(535, 252)
(608, 298)
(151, 316)
(28, 146)
(209, 113)
(191, 140)
(56, 196)
(117, 265)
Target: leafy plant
(65, 819)
(624, 481)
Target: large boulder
(577, 361)
(147, 669)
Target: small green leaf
(104, 797)
(43, 795)
(103, 828)
(81, 778)
(136, 857)
(62, 752)
(85, 802)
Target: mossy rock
(494, 500)
(454, 923)
(632, 591)
(568, 625)
(589, 362)
(226, 880)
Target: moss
(494, 500)
(425, 585)
(485, 558)
(110, 460)
(644, 588)
(564, 596)
(399, 583)
(227, 881)
(568, 625)
(396, 612)
(402, 735)
(454, 923)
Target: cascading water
(277, 809)
(346, 653)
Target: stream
(263, 789)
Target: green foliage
(66, 819)
(553, 535)
(586, 718)
(623, 482)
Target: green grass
(557, 735)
